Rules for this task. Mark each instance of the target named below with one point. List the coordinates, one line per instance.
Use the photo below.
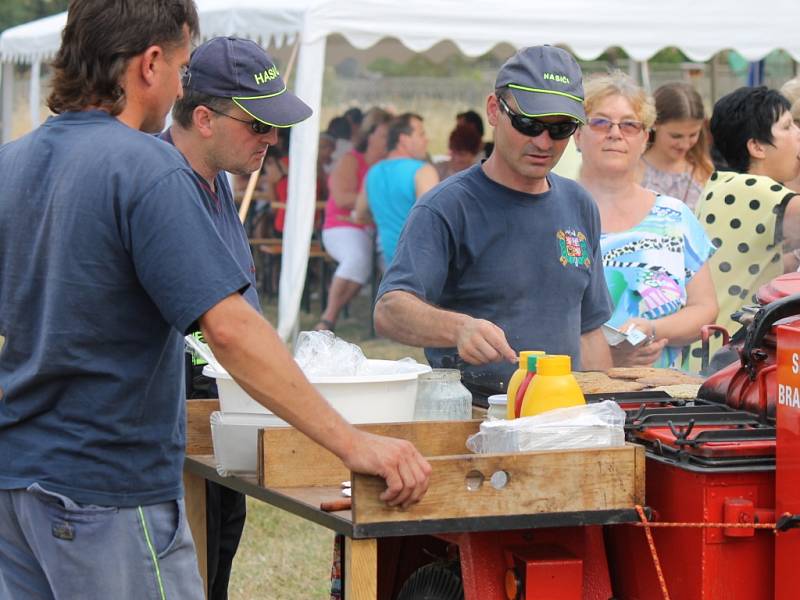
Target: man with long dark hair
(102, 236)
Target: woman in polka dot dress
(752, 220)
(654, 250)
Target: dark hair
(354, 115)
(400, 126)
(184, 107)
(339, 128)
(472, 118)
(678, 101)
(464, 138)
(745, 114)
(99, 39)
(374, 118)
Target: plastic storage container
(442, 397)
(381, 397)
(235, 439)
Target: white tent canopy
(587, 27)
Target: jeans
(52, 548)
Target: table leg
(195, 499)
(361, 569)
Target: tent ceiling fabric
(587, 27)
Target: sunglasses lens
(561, 131)
(529, 127)
(260, 128)
(630, 127)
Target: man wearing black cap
(234, 100)
(103, 233)
(505, 256)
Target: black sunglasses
(534, 127)
(258, 127)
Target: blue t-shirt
(391, 194)
(222, 210)
(648, 266)
(529, 263)
(103, 236)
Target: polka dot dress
(740, 213)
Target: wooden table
(362, 533)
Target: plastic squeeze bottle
(516, 380)
(529, 375)
(553, 387)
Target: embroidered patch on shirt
(574, 250)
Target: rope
(657, 563)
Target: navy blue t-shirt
(102, 237)
(530, 264)
(221, 208)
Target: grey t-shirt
(531, 264)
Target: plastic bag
(599, 425)
(321, 353)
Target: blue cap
(228, 67)
(544, 81)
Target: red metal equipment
(730, 456)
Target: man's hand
(480, 341)
(397, 461)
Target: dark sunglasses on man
(533, 127)
(258, 127)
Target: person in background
(505, 256)
(473, 119)
(791, 90)
(751, 218)
(325, 150)
(354, 117)
(394, 184)
(677, 162)
(349, 243)
(94, 312)
(655, 252)
(464, 146)
(339, 128)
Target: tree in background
(15, 12)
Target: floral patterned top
(648, 266)
(678, 185)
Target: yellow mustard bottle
(553, 387)
(516, 380)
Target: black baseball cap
(239, 69)
(544, 81)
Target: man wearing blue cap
(505, 256)
(234, 100)
(103, 233)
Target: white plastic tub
(381, 397)
(235, 439)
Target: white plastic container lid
(498, 399)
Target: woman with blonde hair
(791, 91)
(677, 162)
(654, 249)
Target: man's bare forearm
(595, 353)
(403, 317)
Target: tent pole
(35, 90)
(714, 79)
(251, 183)
(8, 98)
(646, 76)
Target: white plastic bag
(599, 425)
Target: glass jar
(442, 397)
(497, 406)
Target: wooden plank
(287, 458)
(195, 501)
(361, 569)
(198, 426)
(538, 482)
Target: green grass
(283, 557)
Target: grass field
(283, 557)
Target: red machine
(730, 456)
